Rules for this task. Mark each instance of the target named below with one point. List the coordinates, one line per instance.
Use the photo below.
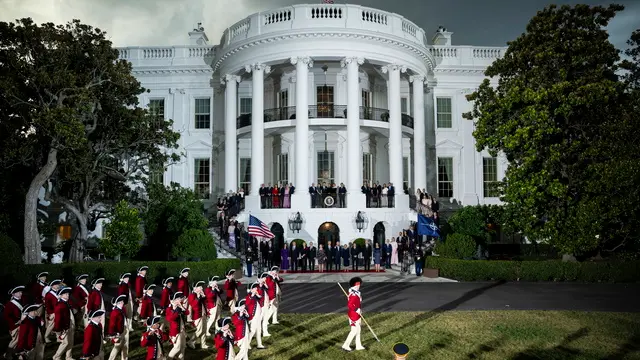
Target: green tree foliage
(456, 246)
(195, 243)
(123, 235)
(557, 97)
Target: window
(283, 99)
(245, 175)
(203, 113)
(405, 173)
(404, 105)
(202, 178)
(490, 177)
(246, 104)
(325, 168)
(366, 98)
(324, 101)
(64, 232)
(283, 169)
(445, 177)
(156, 108)
(443, 116)
(367, 168)
(156, 173)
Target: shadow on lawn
(551, 353)
(631, 346)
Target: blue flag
(426, 226)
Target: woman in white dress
(394, 252)
(385, 192)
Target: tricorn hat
(96, 313)
(167, 280)
(275, 268)
(184, 270)
(231, 272)
(177, 295)
(143, 268)
(125, 276)
(16, 289)
(355, 281)
(153, 320)
(64, 290)
(198, 284)
(214, 279)
(224, 321)
(264, 275)
(123, 298)
(254, 286)
(242, 302)
(55, 282)
(31, 308)
(42, 274)
(83, 276)
(150, 287)
(97, 281)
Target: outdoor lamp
(360, 221)
(295, 222)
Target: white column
(230, 133)
(395, 126)
(353, 124)
(301, 196)
(419, 133)
(257, 125)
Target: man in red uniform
(50, 302)
(30, 342)
(119, 329)
(183, 285)
(64, 325)
(255, 315)
(167, 293)
(177, 317)
(13, 316)
(224, 340)
(273, 282)
(140, 289)
(354, 304)
(147, 306)
(153, 338)
(240, 319)
(124, 288)
(93, 335)
(37, 290)
(79, 297)
(212, 295)
(231, 288)
(95, 301)
(197, 309)
(265, 301)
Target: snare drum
(401, 351)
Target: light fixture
(295, 222)
(360, 221)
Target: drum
(401, 351)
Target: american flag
(259, 229)
(327, 1)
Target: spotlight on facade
(361, 221)
(295, 222)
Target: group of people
(319, 193)
(277, 196)
(51, 312)
(378, 195)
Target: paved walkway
(388, 276)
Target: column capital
(348, 60)
(301, 59)
(257, 67)
(394, 67)
(225, 79)
(418, 78)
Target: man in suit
(337, 255)
(379, 192)
(329, 253)
(263, 196)
(391, 192)
(270, 252)
(305, 257)
(367, 252)
(269, 196)
(311, 257)
(291, 188)
(342, 193)
(295, 254)
(313, 192)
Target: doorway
(328, 232)
(378, 234)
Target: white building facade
(319, 93)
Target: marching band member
(354, 304)
(140, 287)
(50, 302)
(240, 319)
(252, 303)
(183, 285)
(176, 316)
(265, 301)
(198, 313)
(124, 288)
(231, 287)
(167, 293)
(153, 338)
(13, 316)
(93, 336)
(80, 296)
(147, 308)
(30, 342)
(37, 291)
(273, 282)
(213, 303)
(95, 302)
(64, 324)
(119, 329)
(224, 340)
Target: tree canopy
(123, 234)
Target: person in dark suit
(391, 193)
(337, 255)
(342, 193)
(291, 188)
(313, 192)
(264, 254)
(354, 252)
(269, 196)
(387, 253)
(263, 196)
(367, 252)
(269, 255)
(305, 257)
(311, 257)
(295, 254)
(379, 192)
(329, 252)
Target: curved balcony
(323, 111)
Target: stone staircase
(224, 252)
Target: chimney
(198, 37)
(442, 37)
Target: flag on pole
(327, 1)
(426, 226)
(259, 229)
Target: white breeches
(179, 345)
(212, 319)
(354, 333)
(122, 346)
(243, 351)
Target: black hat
(150, 287)
(143, 268)
(96, 313)
(16, 289)
(125, 276)
(55, 282)
(64, 290)
(31, 308)
(177, 295)
(184, 270)
(214, 279)
(355, 281)
(199, 283)
(264, 275)
(97, 281)
(254, 285)
(242, 302)
(224, 321)
(123, 298)
(167, 280)
(83, 276)
(275, 268)
(42, 274)
(231, 272)
(153, 320)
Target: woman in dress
(394, 251)
(384, 198)
(377, 254)
(322, 258)
(345, 257)
(287, 197)
(284, 258)
(275, 196)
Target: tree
(122, 233)
(195, 243)
(557, 90)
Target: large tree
(551, 113)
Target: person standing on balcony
(374, 195)
(379, 193)
(391, 195)
(367, 193)
(313, 192)
(263, 196)
(342, 193)
(269, 195)
(385, 191)
(275, 196)
(286, 198)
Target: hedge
(550, 270)
(111, 270)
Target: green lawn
(449, 335)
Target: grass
(515, 335)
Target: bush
(456, 246)
(195, 243)
(122, 233)
(551, 270)
(299, 243)
(11, 258)
(360, 242)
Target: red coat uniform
(211, 298)
(183, 285)
(116, 321)
(141, 283)
(36, 292)
(261, 292)
(165, 297)
(123, 289)
(271, 290)
(95, 301)
(231, 287)
(353, 305)
(153, 340)
(62, 319)
(79, 295)
(241, 325)
(13, 314)
(92, 340)
(147, 307)
(224, 345)
(50, 302)
(176, 319)
(28, 333)
(196, 306)
(251, 304)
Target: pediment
(199, 145)
(448, 144)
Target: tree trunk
(76, 253)
(32, 248)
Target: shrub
(299, 243)
(360, 242)
(550, 270)
(11, 258)
(122, 233)
(456, 246)
(195, 243)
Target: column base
(252, 203)
(356, 201)
(300, 201)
